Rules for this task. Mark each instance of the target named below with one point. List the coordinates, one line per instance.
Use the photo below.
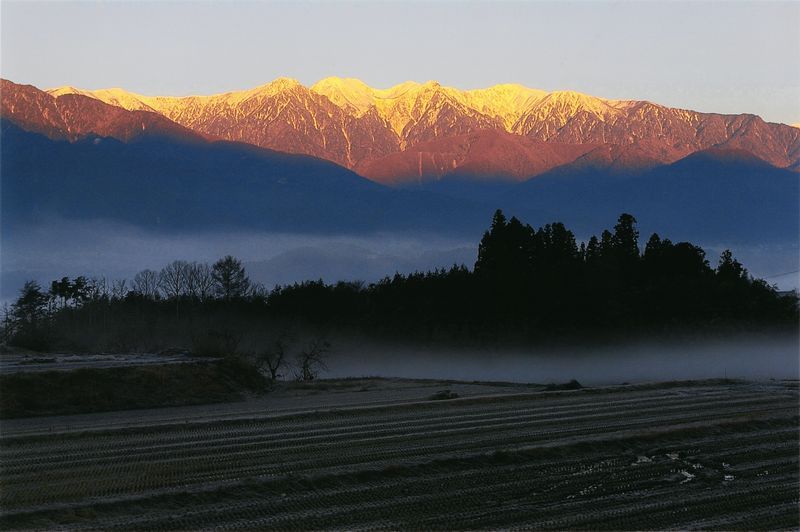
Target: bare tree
(273, 359)
(146, 283)
(199, 280)
(119, 288)
(258, 290)
(311, 360)
(172, 282)
(190, 284)
(172, 279)
(97, 288)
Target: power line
(781, 274)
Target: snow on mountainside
(74, 115)
(381, 132)
(116, 96)
(507, 102)
(352, 95)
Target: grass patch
(97, 390)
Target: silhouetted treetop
(527, 284)
(230, 278)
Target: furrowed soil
(407, 455)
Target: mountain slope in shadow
(170, 185)
(712, 195)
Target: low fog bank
(52, 250)
(778, 264)
(750, 358)
(56, 248)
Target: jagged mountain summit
(415, 132)
(75, 115)
(179, 164)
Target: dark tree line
(94, 303)
(527, 284)
(530, 284)
(542, 278)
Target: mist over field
(100, 249)
(57, 248)
(741, 357)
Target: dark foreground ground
(383, 454)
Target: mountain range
(343, 157)
(414, 132)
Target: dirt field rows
(703, 455)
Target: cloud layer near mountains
(55, 247)
(423, 131)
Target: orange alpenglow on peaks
(428, 130)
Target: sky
(730, 57)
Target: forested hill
(168, 185)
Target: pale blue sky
(714, 57)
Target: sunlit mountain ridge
(168, 164)
(416, 132)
